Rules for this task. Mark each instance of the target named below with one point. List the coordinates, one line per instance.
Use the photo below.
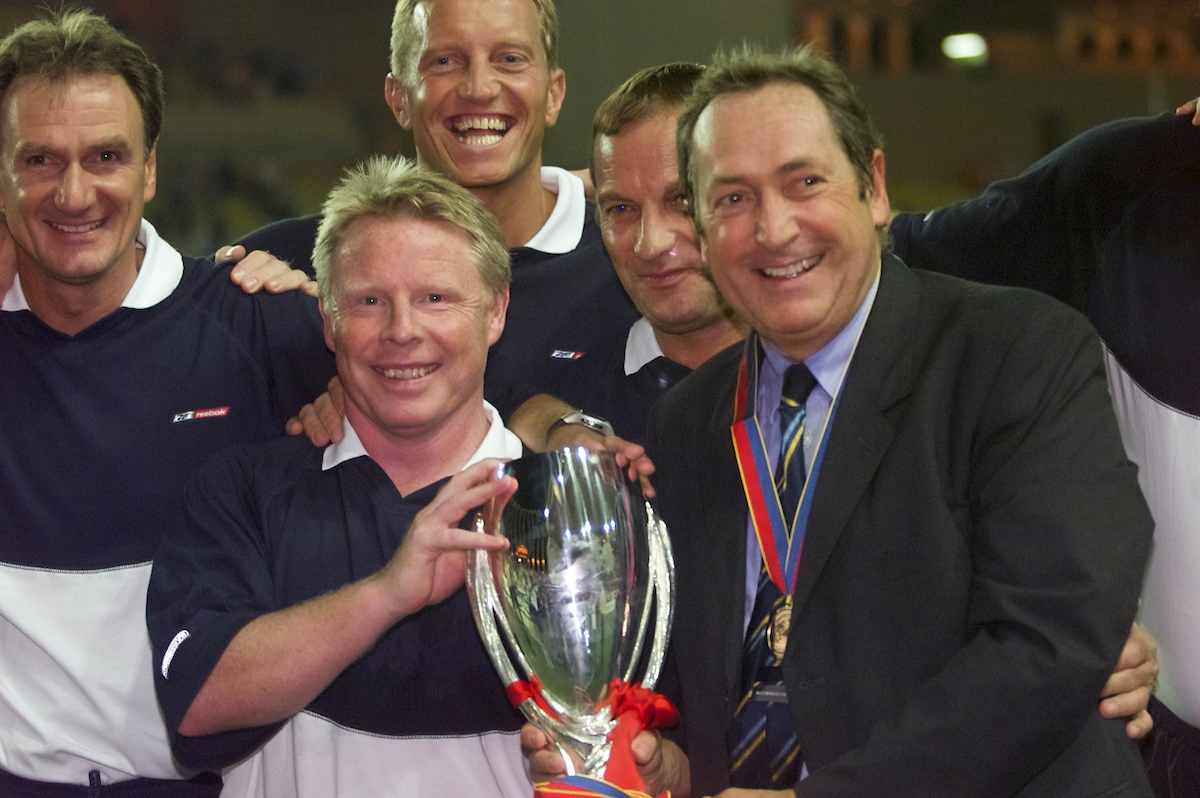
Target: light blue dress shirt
(829, 365)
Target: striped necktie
(763, 748)
(798, 383)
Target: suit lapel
(728, 515)
(881, 374)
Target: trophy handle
(485, 603)
(662, 581)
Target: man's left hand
(260, 269)
(629, 455)
(1190, 108)
(1126, 694)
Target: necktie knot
(798, 383)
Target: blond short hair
(408, 41)
(396, 188)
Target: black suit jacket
(971, 568)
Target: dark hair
(74, 43)
(649, 91)
(750, 68)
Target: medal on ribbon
(780, 539)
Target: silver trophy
(570, 600)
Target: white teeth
(76, 228)
(480, 123)
(483, 141)
(407, 374)
(792, 269)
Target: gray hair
(749, 68)
(70, 44)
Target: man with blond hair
(308, 609)
(478, 83)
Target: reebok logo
(196, 415)
(566, 354)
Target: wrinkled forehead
(101, 104)
(468, 24)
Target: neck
(414, 461)
(71, 309)
(693, 349)
(521, 205)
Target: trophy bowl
(564, 611)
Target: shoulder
(698, 399)
(994, 310)
(290, 240)
(256, 470)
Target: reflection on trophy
(587, 574)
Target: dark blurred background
(269, 100)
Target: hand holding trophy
(587, 574)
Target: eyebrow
(28, 148)
(791, 166)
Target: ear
(496, 315)
(327, 325)
(397, 99)
(881, 207)
(151, 175)
(555, 94)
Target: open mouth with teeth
(794, 269)
(479, 131)
(412, 373)
(76, 228)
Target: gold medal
(777, 632)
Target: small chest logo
(196, 415)
(566, 354)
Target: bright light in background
(969, 47)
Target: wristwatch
(582, 419)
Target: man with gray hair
(914, 486)
(125, 365)
(312, 600)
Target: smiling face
(481, 95)
(412, 327)
(789, 234)
(74, 177)
(646, 228)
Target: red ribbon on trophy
(636, 709)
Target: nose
(776, 222)
(75, 190)
(479, 81)
(401, 327)
(655, 235)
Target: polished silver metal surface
(587, 574)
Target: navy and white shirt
(1107, 223)
(266, 527)
(101, 431)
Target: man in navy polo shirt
(125, 365)
(321, 591)
(478, 82)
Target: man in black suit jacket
(976, 538)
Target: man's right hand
(261, 270)
(662, 764)
(431, 562)
(323, 421)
